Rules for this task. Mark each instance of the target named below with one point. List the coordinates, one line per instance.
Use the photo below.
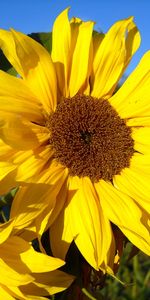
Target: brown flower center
(89, 138)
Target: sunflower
(27, 274)
(79, 150)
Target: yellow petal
(28, 233)
(141, 163)
(97, 40)
(112, 57)
(53, 174)
(48, 284)
(75, 20)
(5, 230)
(32, 200)
(132, 99)
(80, 66)
(35, 298)
(8, 182)
(28, 203)
(61, 50)
(141, 137)
(5, 150)
(61, 234)
(39, 262)
(60, 202)
(123, 212)
(60, 229)
(7, 44)
(29, 260)
(90, 228)
(16, 97)
(11, 276)
(55, 203)
(31, 162)
(5, 294)
(15, 292)
(33, 63)
(145, 121)
(5, 169)
(50, 214)
(135, 184)
(20, 133)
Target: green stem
(3, 216)
(85, 292)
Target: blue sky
(38, 15)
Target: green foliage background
(135, 273)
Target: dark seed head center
(90, 138)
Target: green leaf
(7, 199)
(44, 38)
(5, 64)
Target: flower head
(83, 148)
